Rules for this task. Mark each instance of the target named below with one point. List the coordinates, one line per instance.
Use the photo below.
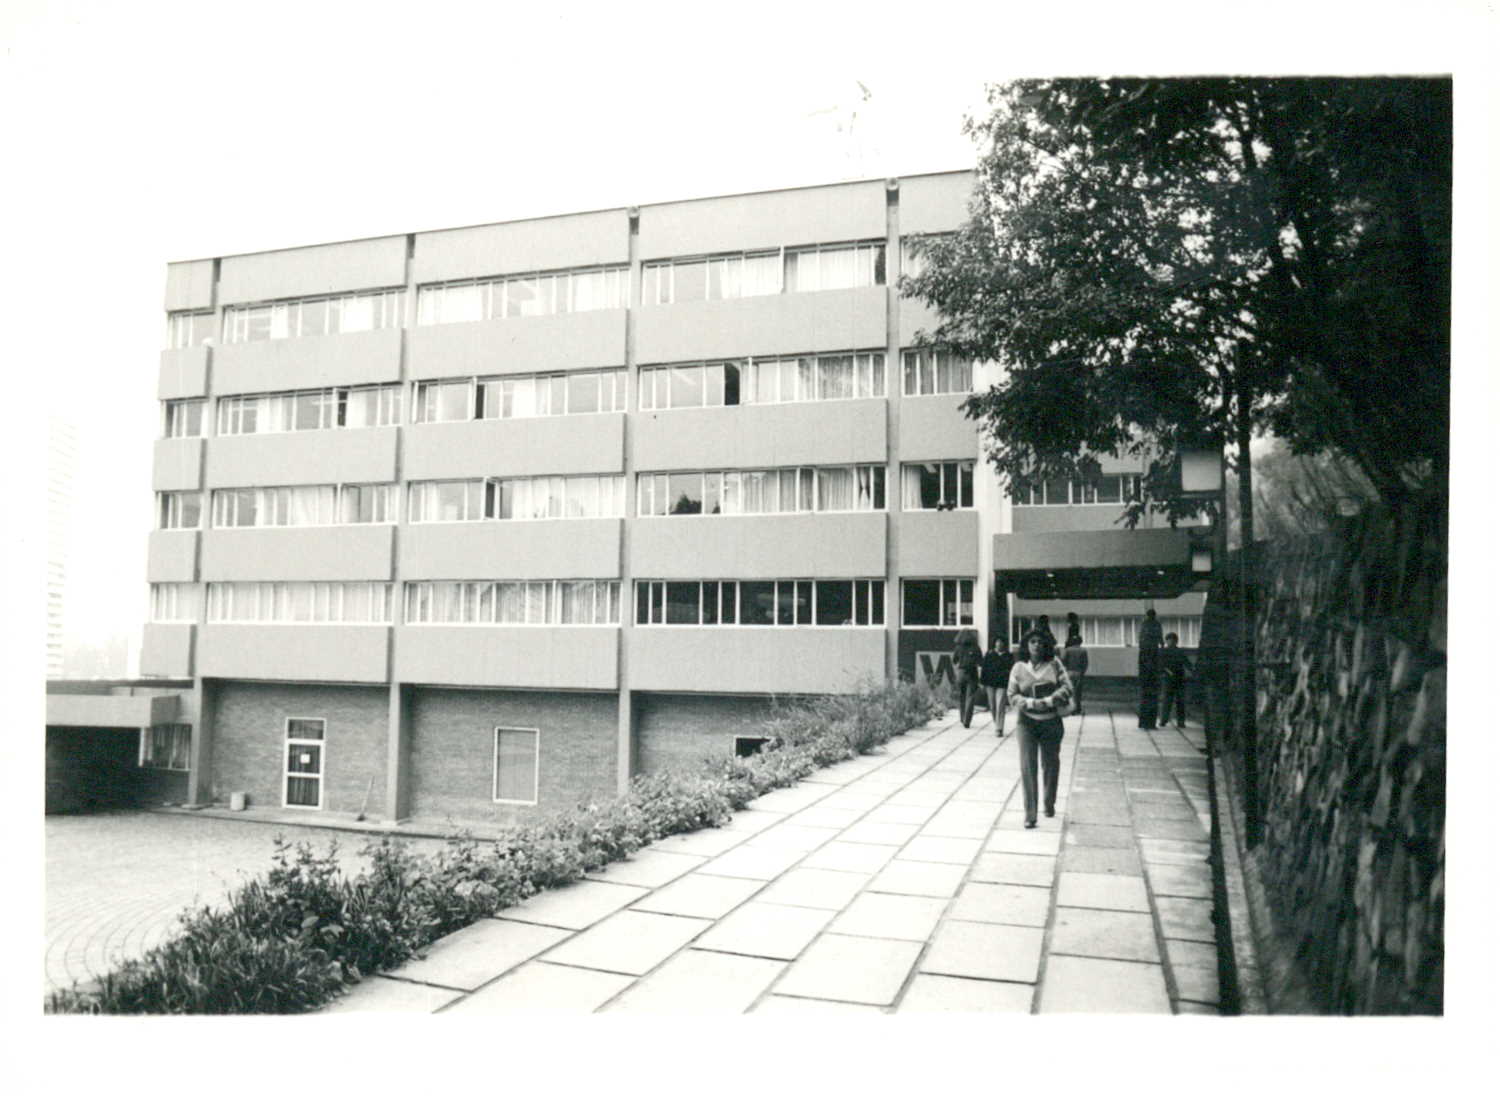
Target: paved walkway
(898, 882)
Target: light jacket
(1050, 678)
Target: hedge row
(296, 938)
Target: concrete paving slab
(1001, 904)
(1036, 842)
(543, 987)
(701, 983)
(919, 877)
(751, 863)
(1010, 867)
(820, 888)
(850, 856)
(1107, 892)
(480, 953)
(880, 833)
(775, 1004)
(941, 850)
(380, 994)
(651, 868)
(1085, 858)
(1165, 851)
(1101, 837)
(993, 791)
(899, 815)
(1186, 953)
(789, 835)
(1104, 934)
(1076, 984)
(1186, 919)
(847, 800)
(794, 798)
(629, 943)
(1193, 1008)
(828, 818)
(1197, 984)
(940, 993)
(709, 842)
(1172, 828)
(968, 949)
(890, 916)
(967, 820)
(921, 797)
(857, 969)
(576, 906)
(1181, 880)
(700, 895)
(766, 930)
(1098, 815)
(1177, 810)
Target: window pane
(583, 393)
(757, 602)
(835, 603)
(682, 603)
(685, 490)
(713, 385)
(919, 602)
(687, 386)
(690, 282)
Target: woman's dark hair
(1049, 644)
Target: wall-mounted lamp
(1202, 559)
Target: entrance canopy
(1096, 563)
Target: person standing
(1038, 690)
(1174, 674)
(1075, 659)
(1075, 632)
(966, 660)
(1148, 669)
(1043, 624)
(994, 675)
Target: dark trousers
(968, 693)
(1149, 675)
(996, 697)
(1044, 738)
(1174, 692)
(1078, 690)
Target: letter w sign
(935, 666)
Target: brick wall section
(1352, 730)
(677, 729)
(250, 742)
(453, 750)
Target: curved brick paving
(903, 881)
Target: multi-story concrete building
(485, 520)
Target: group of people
(1042, 687)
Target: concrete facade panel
(295, 652)
(520, 344)
(934, 428)
(938, 544)
(363, 455)
(755, 660)
(935, 203)
(453, 750)
(1095, 548)
(177, 464)
(172, 555)
(558, 445)
(167, 650)
(313, 271)
(344, 553)
(523, 657)
(64, 710)
(250, 751)
(783, 323)
(574, 548)
(775, 435)
(916, 318)
(825, 214)
(601, 238)
(675, 730)
(190, 286)
(318, 361)
(183, 373)
(772, 546)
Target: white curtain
(835, 489)
(762, 275)
(835, 377)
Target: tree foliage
(1166, 263)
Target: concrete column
(892, 427)
(398, 754)
(201, 749)
(625, 719)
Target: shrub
(292, 940)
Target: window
(304, 762)
(561, 601)
(299, 602)
(522, 499)
(184, 419)
(783, 602)
(520, 397)
(947, 485)
(179, 509)
(538, 294)
(167, 746)
(834, 266)
(185, 329)
(748, 745)
(516, 750)
(717, 278)
(1104, 490)
(763, 380)
(367, 504)
(314, 504)
(929, 372)
(846, 488)
(1118, 631)
(937, 602)
(174, 602)
(313, 316)
(310, 409)
(698, 384)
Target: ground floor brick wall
(677, 729)
(249, 743)
(453, 750)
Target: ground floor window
(516, 751)
(166, 746)
(304, 762)
(1113, 630)
(937, 602)
(748, 745)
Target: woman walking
(966, 659)
(994, 674)
(1039, 689)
